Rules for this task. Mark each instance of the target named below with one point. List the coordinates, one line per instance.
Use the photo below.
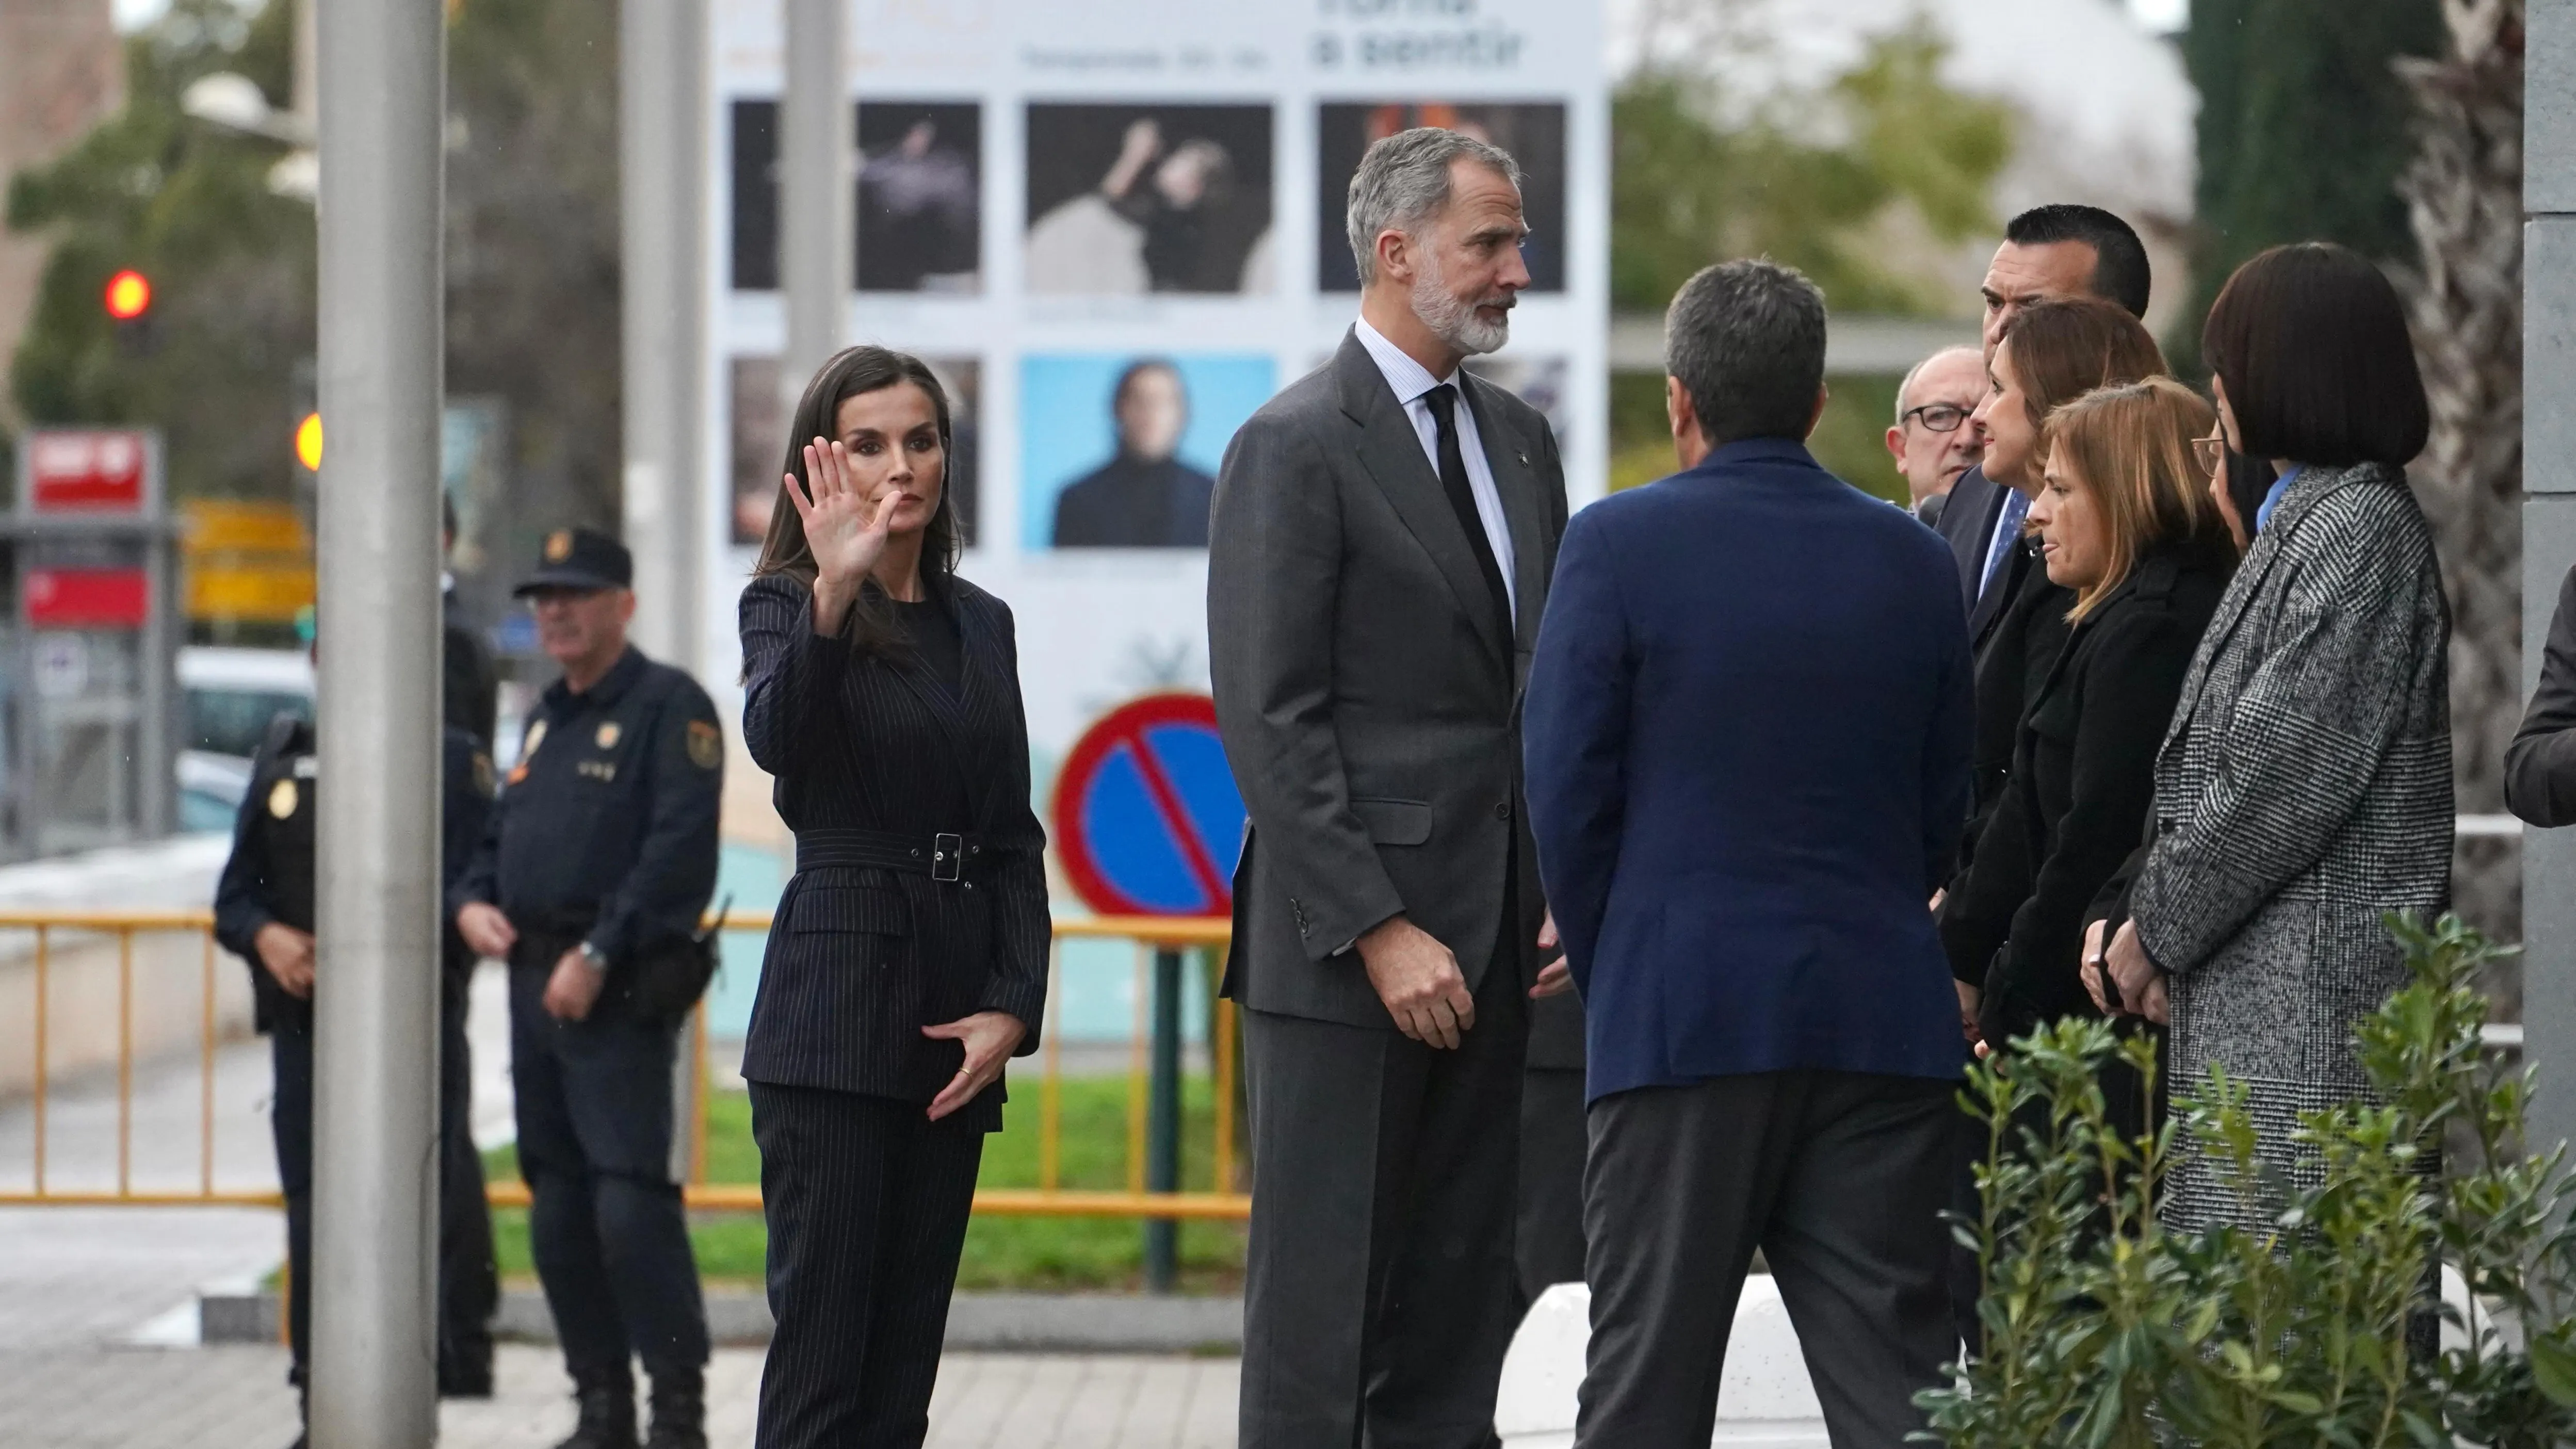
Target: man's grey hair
(1746, 340)
(1905, 389)
(1403, 182)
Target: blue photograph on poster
(1121, 450)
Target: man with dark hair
(1774, 1044)
(2049, 252)
(1146, 497)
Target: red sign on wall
(88, 471)
(61, 598)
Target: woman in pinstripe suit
(908, 959)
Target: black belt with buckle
(947, 857)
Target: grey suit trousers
(1838, 1177)
(1379, 1291)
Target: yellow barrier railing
(1049, 1198)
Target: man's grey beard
(1453, 321)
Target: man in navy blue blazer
(1747, 743)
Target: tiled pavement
(110, 1397)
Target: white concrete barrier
(1764, 1399)
(167, 1005)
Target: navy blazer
(1747, 739)
(860, 959)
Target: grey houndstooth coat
(2304, 787)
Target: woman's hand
(2129, 965)
(989, 1037)
(2089, 968)
(844, 527)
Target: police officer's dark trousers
(605, 1222)
(469, 1282)
(290, 1124)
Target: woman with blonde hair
(2128, 529)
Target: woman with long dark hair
(908, 958)
(2304, 787)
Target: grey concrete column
(382, 79)
(661, 104)
(2548, 534)
(818, 133)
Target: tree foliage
(1807, 177)
(2303, 131)
(531, 244)
(231, 265)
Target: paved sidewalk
(236, 1398)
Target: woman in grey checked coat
(2304, 785)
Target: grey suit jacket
(1369, 702)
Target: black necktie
(1462, 499)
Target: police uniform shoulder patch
(559, 545)
(282, 799)
(606, 739)
(706, 746)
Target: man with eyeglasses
(1931, 442)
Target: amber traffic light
(308, 442)
(129, 295)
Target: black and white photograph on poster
(1126, 199)
(758, 440)
(753, 208)
(1534, 134)
(921, 196)
(1542, 382)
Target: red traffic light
(129, 295)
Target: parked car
(229, 696)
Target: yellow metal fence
(53, 929)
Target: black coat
(2014, 651)
(2540, 764)
(2082, 777)
(861, 958)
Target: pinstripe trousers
(867, 1204)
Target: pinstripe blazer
(2303, 788)
(861, 959)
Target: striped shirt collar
(1409, 378)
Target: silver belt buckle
(947, 857)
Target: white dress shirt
(1413, 383)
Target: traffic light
(129, 309)
(308, 442)
(129, 295)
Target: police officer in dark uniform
(264, 913)
(591, 879)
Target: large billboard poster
(1115, 229)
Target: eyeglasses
(1939, 417)
(2211, 451)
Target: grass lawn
(1035, 1253)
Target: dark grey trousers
(1550, 1249)
(1379, 1291)
(1839, 1178)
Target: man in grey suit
(1379, 552)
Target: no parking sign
(1146, 814)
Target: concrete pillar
(818, 134)
(383, 102)
(661, 113)
(2549, 533)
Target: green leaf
(2553, 1366)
